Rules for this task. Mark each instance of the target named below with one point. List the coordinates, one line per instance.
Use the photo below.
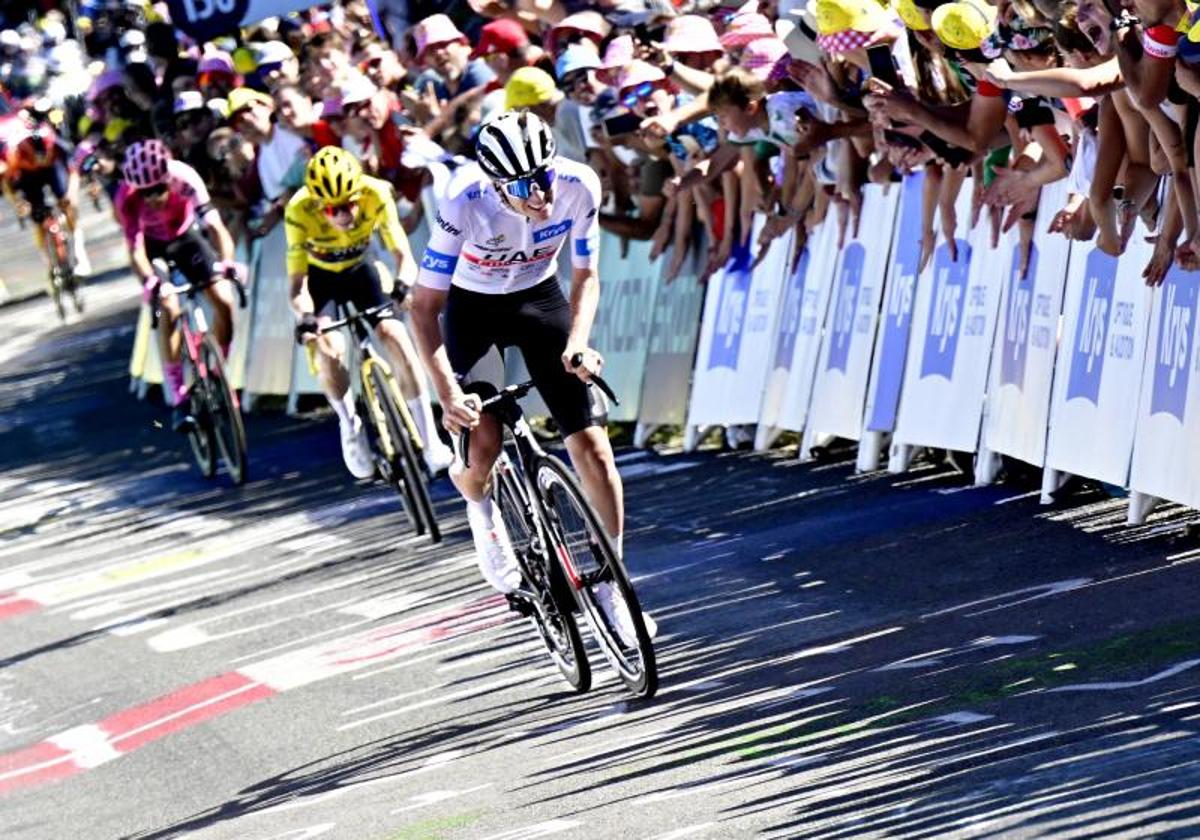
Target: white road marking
(1119, 686)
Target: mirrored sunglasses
(631, 96)
(523, 187)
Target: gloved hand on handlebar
(401, 291)
(305, 327)
(150, 287)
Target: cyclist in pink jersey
(162, 204)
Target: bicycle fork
(391, 448)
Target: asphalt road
(842, 656)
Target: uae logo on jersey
(496, 241)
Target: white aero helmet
(514, 144)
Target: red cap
(500, 36)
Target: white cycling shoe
(617, 612)
(494, 553)
(438, 456)
(356, 452)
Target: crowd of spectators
(697, 115)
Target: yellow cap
(243, 61)
(914, 17)
(965, 24)
(530, 86)
(240, 98)
(835, 16)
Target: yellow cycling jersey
(313, 238)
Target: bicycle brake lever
(596, 380)
(464, 447)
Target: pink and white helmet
(146, 164)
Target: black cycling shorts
(191, 254)
(360, 285)
(537, 321)
(32, 187)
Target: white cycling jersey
(477, 243)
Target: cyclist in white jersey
(490, 266)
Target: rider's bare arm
(392, 232)
(219, 234)
(428, 303)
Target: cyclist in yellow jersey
(329, 225)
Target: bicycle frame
(368, 355)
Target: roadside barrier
(1076, 367)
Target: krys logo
(731, 318)
(1091, 330)
(205, 19)
(1015, 347)
(945, 310)
(1173, 355)
(842, 333)
(789, 317)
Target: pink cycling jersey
(141, 220)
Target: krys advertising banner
(1106, 310)
(845, 364)
(891, 346)
(1166, 459)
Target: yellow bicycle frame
(373, 404)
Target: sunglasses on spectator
(576, 79)
(335, 211)
(156, 191)
(523, 187)
(631, 96)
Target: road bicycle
(62, 280)
(217, 428)
(563, 551)
(391, 431)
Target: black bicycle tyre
(201, 437)
(414, 473)
(222, 404)
(401, 477)
(643, 682)
(569, 655)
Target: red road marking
(127, 730)
(12, 605)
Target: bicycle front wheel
(201, 437)
(406, 469)
(551, 616)
(225, 415)
(588, 560)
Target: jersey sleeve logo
(552, 231)
(437, 262)
(446, 226)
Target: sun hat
(243, 97)
(500, 36)
(434, 30)
(834, 16)
(744, 28)
(801, 40)
(691, 34)
(913, 16)
(761, 55)
(589, 23)
(530, 86)
(964, 25)
(189, 100)
(272, 52)
(639, 72)
(217, 62)
(356, 88)
(576, 57)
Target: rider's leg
(170, 343)
(407, 367)
(333, 376)
(335, 382)
(220, 295)
(493, 548)
(592, 456)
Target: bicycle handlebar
(190, 288)
(512, 393)
(356, 316)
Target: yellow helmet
(333, 175)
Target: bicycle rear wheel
(406, 471)
(226, 417)
(550, 616)
(201, 437)
(587, 557)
